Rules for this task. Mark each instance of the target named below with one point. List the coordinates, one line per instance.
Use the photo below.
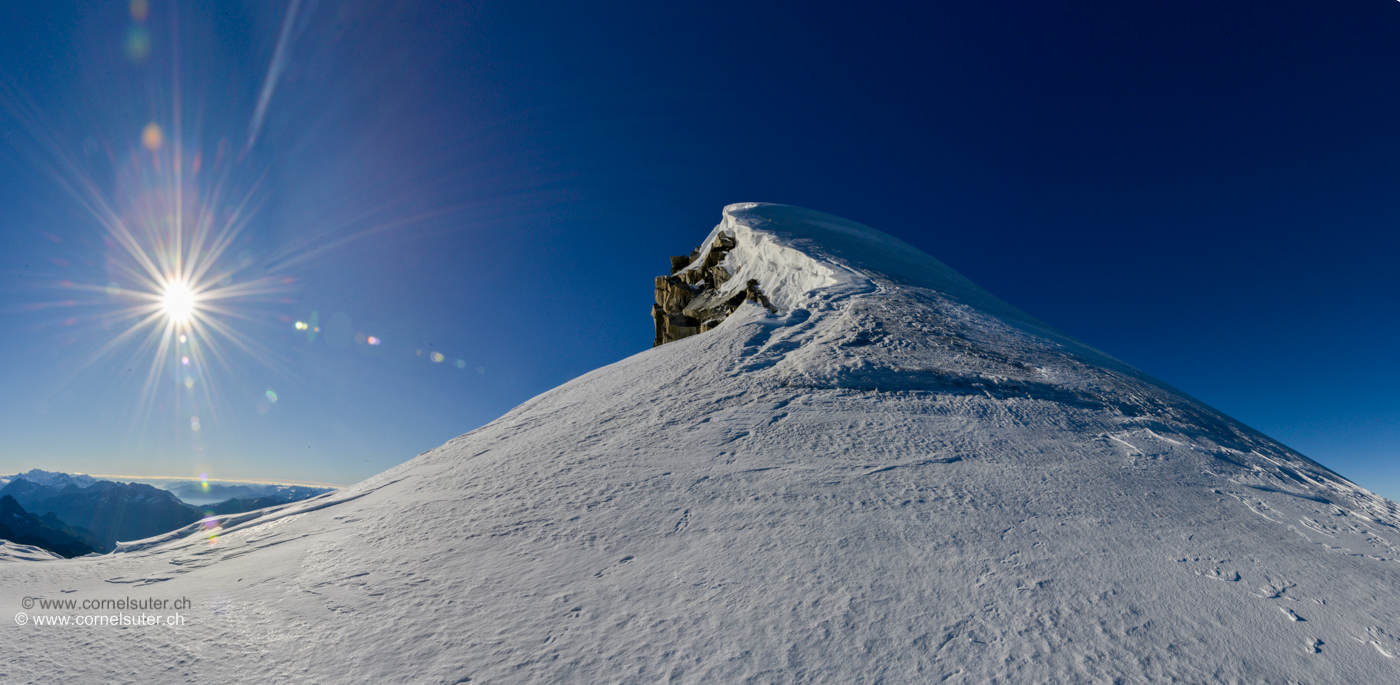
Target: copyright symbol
(28, 602)
(21, 619)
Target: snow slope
(898, 478)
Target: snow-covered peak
(54, 479)
(793, 251)
(803, 258)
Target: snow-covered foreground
(897, 479)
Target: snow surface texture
(898, 478)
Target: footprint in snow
(1385, 643)
(1274, 590)
(608, 571)
(1217, 574)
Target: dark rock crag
(689, 301)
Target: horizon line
(196, 479)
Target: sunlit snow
(897, 478)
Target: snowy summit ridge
(880, 473)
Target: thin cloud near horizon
(196, 479)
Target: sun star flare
(178, 302)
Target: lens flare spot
(437, 357)
(374, 341)
(194, 423)
(151, 136)
(312, 327)
(301, 326)
(185, 361)
(138, 44)
(461, 363)
(189, 382)
(271, 396)
(182, 338)
(211, 524)
(113, 290)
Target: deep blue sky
(1208, 191)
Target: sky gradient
(1207, 191)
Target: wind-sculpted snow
(10, 551)
(896, 478)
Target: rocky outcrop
(693, 300)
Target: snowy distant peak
(54, 479)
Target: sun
(178, 302)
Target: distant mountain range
(111, 511)
(52, 479)
(194, 491)
(238, 506)
(99, 513)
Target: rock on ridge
(693, 298)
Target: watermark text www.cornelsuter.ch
(120, 611)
